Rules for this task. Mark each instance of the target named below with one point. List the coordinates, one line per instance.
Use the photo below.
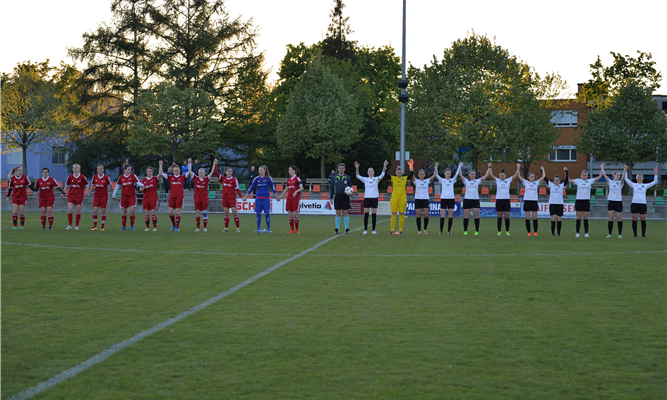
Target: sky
(564, 36)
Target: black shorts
(341, 202)
(371, 203)
(615, 206)
(447, 203)
(636, 208)
(419, 203)
(556, 209)
(468, 204)
(582, 205)
(530, 205)
(503, 205)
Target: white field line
(206, 253)
(77, 369)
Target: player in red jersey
(150, 199)
(201, 192)
(45, 185)
(100, 184)
(18, 183)
(176, 184)
(292, 204)
(128, 195)
(76, 185)
(230, 189)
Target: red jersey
(101, 185)
(19, 185)
(230, 188)
(150, 188)
(76, 186)
(126, 182)
(293, 184)
(45, 187)
(176, 185)
(201, 187)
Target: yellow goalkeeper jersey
(399, 185)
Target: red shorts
(22, 201)
(46, 201)
(229, 203)
(292, 204)
(175, 202)
(128, 201)
(150, 204)
(76, 201)
(100, 202)
(201, 204)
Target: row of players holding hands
(262, 186)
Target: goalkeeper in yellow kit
(399, 199)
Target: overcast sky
(563, 36)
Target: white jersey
(503, 188)
(421, 189)
(371, 186)
(472, 188)
(556, 192)
(447, 185)
(639, 190)
(615, 190)
(530, 190)
(584, 188)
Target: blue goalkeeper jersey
(262, 187)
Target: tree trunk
(322, 167)
(474, 160)
(175, 153)
(526, 169)
(25, 160)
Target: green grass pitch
(370, 316)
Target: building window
(564, 119)
(15, 158)
(564, 154)
(58, 155)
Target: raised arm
(214, 169)
(160, 172)
(569, 180)
(655, 178)
(356, 166)
(488, 173)
(435, 172)
(567, 176)
(544, 175)
(411, 176)
(460, 173)
(517, 174)
(601, 173)
(625, 176)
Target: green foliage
(627, 127)
(32, 112)
(624, 69)
(172, 120)
(321, 119)
(478, 97)
(335, 44)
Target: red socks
(124, 219)
(236, 220)
(94, 220)
(51, 220)
(132, 220)
(44, 219)
(198, 219)
(147, 220)
(104, 220)
(291, 223)
(78, 218)
(226, 221)
(69, 219)
(173, 219)
(155, 221)
(205, 222)
(296, 222)
(178, 221)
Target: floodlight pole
(403, 98)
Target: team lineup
(264, 190)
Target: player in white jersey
(530, 197)
(638, 206)
(371, 194)
(556, 201)
(447, 197)
(614, 200)
(471, 198)
(503, 206)
(582, 204)
(422, 198)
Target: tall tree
(628, 127)
(31, 110)
(120, 62)
(336, 44)
(202, 47)
(465, 100)
(172, 119)
(321, 117)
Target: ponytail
(296, 170)
(266, 170)
(13, 171)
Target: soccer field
(347, 316)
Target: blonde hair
(266, 170)
(13, 171)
